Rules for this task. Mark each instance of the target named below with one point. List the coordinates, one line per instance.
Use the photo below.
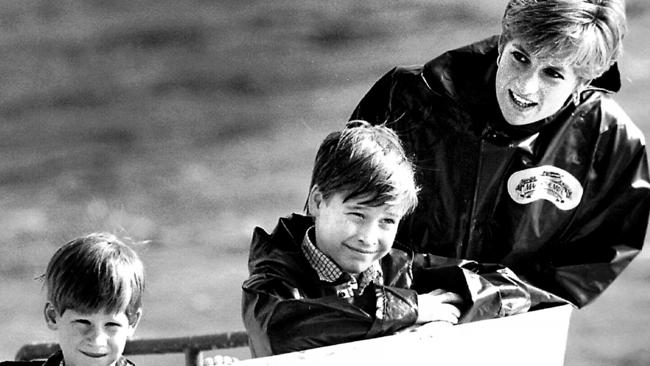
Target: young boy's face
(95, 339)
(352, 234)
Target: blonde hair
(586, 34)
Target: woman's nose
(528, 83)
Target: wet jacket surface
(563, 202)
(287, 308)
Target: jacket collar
(282, 243)
(609, 82)
(292, 229)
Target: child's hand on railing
(439, 305)
(219, 360)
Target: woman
(525, 159)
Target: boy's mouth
(359, 250)
(93, 354)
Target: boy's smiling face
(352, 234)
(95, 339)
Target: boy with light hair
(336, 275)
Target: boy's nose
(96, 336)
(368, 235)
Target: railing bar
(193, 357)
(177, 345)
(151, 345)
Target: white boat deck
(536, 338)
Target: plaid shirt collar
(329, 271)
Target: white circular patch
(545, 182)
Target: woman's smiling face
(530, 88)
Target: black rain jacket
(286, 308)
(563, 202)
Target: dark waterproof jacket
(287, 308)
(563, 203)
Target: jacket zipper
(469, 241)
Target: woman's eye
(357, 215)
(554, 74)
(113, 325)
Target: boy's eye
(520, 57)
(82, 321)
(112, 324)
(358, 215)
(390, 221)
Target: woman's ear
(51, 316)
(133, 323)
(500, 47)
(577, 91)
(315, 200)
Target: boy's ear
(51, 316)
(133, 323)
(315, 200)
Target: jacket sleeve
(279, 319)
(490, 290)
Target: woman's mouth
(520, 102)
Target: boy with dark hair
(94, 301)
(335, 276)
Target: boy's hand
(219, 360)
(439, 305)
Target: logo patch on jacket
(545, 183)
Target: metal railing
(191, 346)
